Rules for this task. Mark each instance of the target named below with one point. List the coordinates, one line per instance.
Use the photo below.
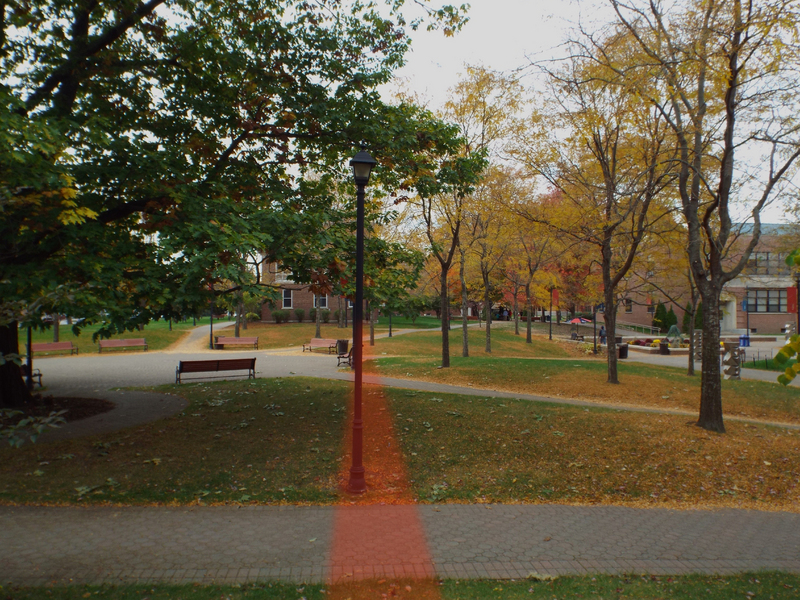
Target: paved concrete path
(42, 545)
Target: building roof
(769, 228)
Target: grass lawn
(471, 449)
(746, 585)
(156, 333)
(269, 441)
(406, 323)
(768, 364)
(287, 335)
(641, 384)
(282, 441)
(504, 344)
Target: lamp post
(29, 375)
(550, 317)
(362, 164)
(747, 309)
(211, 319)
(797, 301)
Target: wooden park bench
(329, 345)
(123, 343)
(345, 358)
(54, 347)
(221, 342)
(37, 374)
(216, 365)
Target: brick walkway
(40, 545)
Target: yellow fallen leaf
(766, 462)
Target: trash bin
(744, 340)
(618, 339)
(663, 348)
(341, 346)
(623, 350)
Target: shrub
(312, 315)
(252, 316)
(326, 315)
(280, 316)
(300, 313)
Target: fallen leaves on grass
(534, 453)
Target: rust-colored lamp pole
(362, 164)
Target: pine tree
(672, 319)
(687, 318)
(660, 317)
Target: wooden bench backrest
(42, 346)
(123, 342)
(225, 364)
(233, 340)
(322, 342)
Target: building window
(767, 263)
(628, 305)
(651, 306)
(283, 277)
(287, 298)
(766, 301)
(321, 301)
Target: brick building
(298, 296)
(763, 297)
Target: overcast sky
(504, 35)
(500, 34)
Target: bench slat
(320, 343)
(215, 365)
(53, 347)
(123, 343)
(221, 342)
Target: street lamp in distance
(362, 164)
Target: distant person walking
(602, 333)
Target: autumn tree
(150, 145)
(481, 105)
(605, 151)
(728, 90)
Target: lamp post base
(357, 484)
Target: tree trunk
(486, 290)
(529, 302)
(516, 310)
(690, 365)
(372, 316)
(318, 319)
(444, 304)
(464, 307)
(710, 384)
(610, 319)
(340, 312)
(13, 391)
(238, 323)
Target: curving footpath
(58, 545)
